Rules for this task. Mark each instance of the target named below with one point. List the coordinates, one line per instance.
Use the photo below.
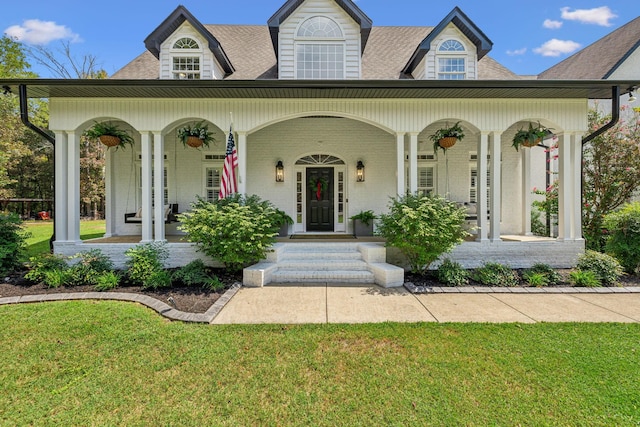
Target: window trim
(317, 42)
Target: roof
(347, 5)
(249, 48)
(171, 24)
(600, 59)
(464, 24)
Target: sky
(528, 36)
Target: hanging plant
(195, 135)
(530, 137)
(110, 135)
(319, 185)
(445, 138)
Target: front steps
(325, 262)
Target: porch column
(242, 162)
(400, 163)
(147, 220)
(565, 188)
(576, 165)
(109, 199)
(413, 162)
(158, 184)
(526, 191)
(62, 203)
(481, 188)
(73, 187)
(496, 180)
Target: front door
(320, 209)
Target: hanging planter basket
(447, 141)
(110, 140)
(531, 143)
(194, 141)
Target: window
(186, 67)
(451, 46)
(153, 190)
(212, 176)
(473, 184)
(451, 66)
(319, 49)
(186, 43)
(426, 180)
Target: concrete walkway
(289, 304)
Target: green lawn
(41, 233)
(113, 363)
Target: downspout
(24, 116)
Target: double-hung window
(320, 49)
(451, 61)
(186, 59)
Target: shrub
(57, 278)
(623, 236)
(214, 284)
(90, 266)
(494, 274)
(422, 228)
(41, 265)
(452, 273)
(237, 230)
(535, 279)
(12, 242)
(145, 265)
(605, 267)
(107, 281)
(584, 278)
(552, 277)
(192, 274)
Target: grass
(113, 363)
(41, 232)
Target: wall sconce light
(632, 97)
(360, 171)
(279, 171)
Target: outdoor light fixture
(279, 171)
(360, 171)
(632, 97)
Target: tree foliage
(623, 236)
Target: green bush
(57, 278)
(236, 231)
(107, 281)
(145, 265)
(41, 265)
(12, 242)
(452, 273)
(90, 266)
(535, 279)
(552, 277)
(214, 284)
(494, 274)
(586, 278)
(605, 267)
(422, 228)
(623, 236)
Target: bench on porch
(170, 212)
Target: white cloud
(598, 15)
(551, 24)
(555, 47)
(517, 52)
(34, 31)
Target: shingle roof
(600, 59)
(249, 49)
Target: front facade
(347, 109)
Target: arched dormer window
(320, 48)
(186, 59)
(451, 60)
(186, 43)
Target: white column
(62, 202)
(565, 188)
(413, 162)
(109, 192)
(147, 220)
(481, 187)
(576, 165)
(400, 163)
(242, 162)
(496, 180)
(158, 184)
(73, 187)
(526, 190)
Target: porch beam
(158, 178)
(526, 191)
(400, 163)
(61, 177)
(73, 187)
(496, 180)
(481, 188)
(147, 220)
(242, 162)
(413, 162)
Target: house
(321, 91)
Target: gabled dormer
(451, 51)
(319, 39)
(186, 49)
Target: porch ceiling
(352, 89)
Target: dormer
(186, 50)
(451, 51)
(319, 39)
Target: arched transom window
(451, 46)
(319, 49)
(451, 61)
(186, 43)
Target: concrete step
(322, 265)
(333, 276)
(320, 256)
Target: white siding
(328, 8)
(629, 69)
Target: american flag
(228, 185)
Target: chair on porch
(170, 212)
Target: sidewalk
(289, 304)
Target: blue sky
(528, 36)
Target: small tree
(422, 228)
(12, 242)
(623, 236)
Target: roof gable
(347, 5)
(172, 23)
(464, 24)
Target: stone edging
(517, 290)
(160, 307)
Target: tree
(611, 172)
(63, 64)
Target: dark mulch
(189, 299)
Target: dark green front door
(320, 210)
